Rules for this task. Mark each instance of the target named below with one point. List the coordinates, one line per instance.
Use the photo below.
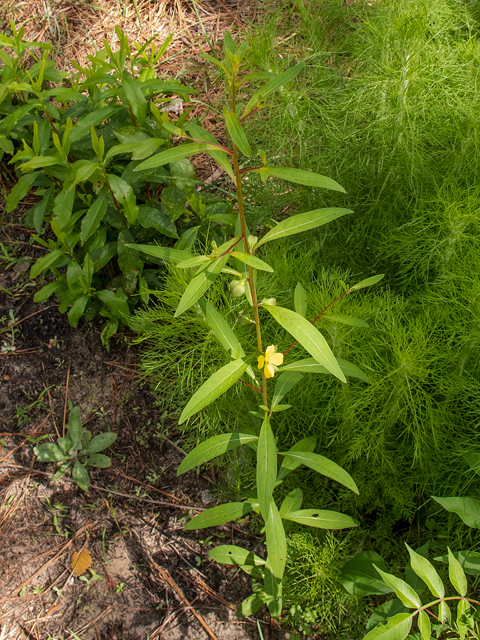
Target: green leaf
(425, 570)
(467, 508)
(116, 302)
(254, 262)
(397, 628)
(302, 177)
(101, 442)
(221, 329)
(285, 382)
(321, 519)
(219, 515)
(20, 190)
(411, 577)
(153, 218)
(75, 431)
(456, 574)
(276, 558)
(135, 98)
(385, 611)
(80, 475)
(236, 132)
(233, 555)
(310, 365)
(83, 125)
(197, 286)
(164, 253)
(214, 387)
(39, 162)
(359, 576)
(302, 222)
(271, 86)
(93, 218)
(251, 605)
(46, 291)
(43, 263)
(266, 466)
(214, 447)
(368, 282)
(404, 591)
(6, 145)
(354, 322)
(125, 196)
(63, 207)
(289, 464)
(129, 259)
(309, 337)
(80, 172)
(77, 309)
(172, 155)
(292, 501)
(424, 625)
(49, 452)
(192, 263)
(220, 157)
(324, 466)
(98, 460)
(473, 460)
(469, 561)
(444, 614)
(300, 300)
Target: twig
(66, 396)
(168, 579)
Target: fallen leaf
(80, 562)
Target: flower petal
(261, 362)
(269, 371)
(270, 351)
(277, 359)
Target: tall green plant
(273, 464)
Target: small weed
(93, 577)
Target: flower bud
(244, 320)
(237, 288)
(271, 301)
(252, 241)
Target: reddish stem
(231, 247)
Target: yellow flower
(271, 360)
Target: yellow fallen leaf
(80, 562)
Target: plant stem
(251, 283)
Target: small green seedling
(77, 448)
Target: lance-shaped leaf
(309, 337)
(266, 466)
(214, 387)
(301, 177)
(310, 365)
(424, 625)
(290, 464)
(214, 447)
(20, 190)
(469, 561)
(359, 576)
(271, 86)
(397, 628)
(276, 558)
(236, 132)
(404, 591)
(80, 475)
(135, 98)
(467, 508)
(83, 125)
(252, 604)
(302, 222)
(425, 570)
(350, 320)
(300, 300)
(192, 263)
(457, 574)
(253, 261)
(285, 382)
(220, 157)
(368, 282)
(164, 253)
(93, 218)
(175, 154)
(101, 442)
(197, 286)
(324, 466)
(45, 262)
(321, 519)
(232, 555)
(219, 515)
(292, 501)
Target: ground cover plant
(83, 171)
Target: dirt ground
(148, 579)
